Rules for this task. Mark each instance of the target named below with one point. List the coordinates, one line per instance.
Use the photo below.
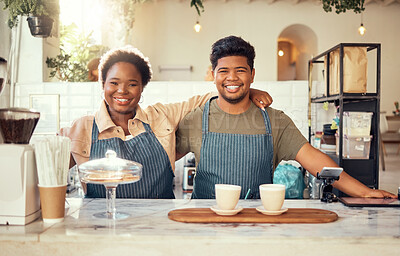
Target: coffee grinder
(19, 194)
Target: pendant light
(362, 29)
(197, 27)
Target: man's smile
(232, 88)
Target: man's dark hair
(232, 46)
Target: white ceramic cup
(272, 196)
(227, 196)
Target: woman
(146, 136)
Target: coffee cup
(52, 201)
(272, 196)
(227, 196)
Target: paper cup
(52, 201)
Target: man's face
(233, 78)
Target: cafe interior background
(164, 31)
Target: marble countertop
(148, 231)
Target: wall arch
(301, 41)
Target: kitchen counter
(358, 231)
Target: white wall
(32, 55)
(5, 40)
(163, 30)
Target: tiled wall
(78, 99)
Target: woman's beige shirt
(163, 120)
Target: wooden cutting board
(251, 215)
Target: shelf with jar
(342, 84)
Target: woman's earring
(141, 99)
(102, 95)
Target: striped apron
(239, 159)
(157, 174)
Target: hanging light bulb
(197, 27)
(362, 29)
(281, 53)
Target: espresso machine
(189, 170)
(19, 194)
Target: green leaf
(198, 4)
(76, 50)
(341, 6)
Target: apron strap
(147, 127)
(95, 132)
(267, 122)
(204, 126)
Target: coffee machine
(19, 194)
(189, 170)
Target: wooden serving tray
(251, 215)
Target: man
(237, 143)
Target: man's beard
(235, 100)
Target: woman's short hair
(127, 54)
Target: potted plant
(41, 14)
(76, 50)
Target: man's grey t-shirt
(287, 139)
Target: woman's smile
(122, 101)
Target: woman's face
(123, 88)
